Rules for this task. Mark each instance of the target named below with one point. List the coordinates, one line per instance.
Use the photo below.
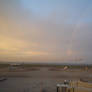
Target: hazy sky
(46, 31)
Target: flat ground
(38, 79)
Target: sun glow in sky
(46, 31)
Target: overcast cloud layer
(46, 31)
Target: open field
(30, 78)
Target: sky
(46, 31)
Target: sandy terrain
(39, 79)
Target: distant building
(13, 66)
(66, 67)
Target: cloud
(28, 35)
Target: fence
(75, 86)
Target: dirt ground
(40, 79)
